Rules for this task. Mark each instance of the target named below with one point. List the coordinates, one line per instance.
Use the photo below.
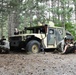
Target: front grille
(15, 41)
(19, 38)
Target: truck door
(51, 36)
(60, 33)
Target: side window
(51, 31)
(51, 36)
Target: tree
(74, 1)
(13, 17)
(21, 13)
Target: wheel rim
(35, 49)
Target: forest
(23, 13)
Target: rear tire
(33, 46)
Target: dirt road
(37, 64)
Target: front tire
(33, 46)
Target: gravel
(37, 64)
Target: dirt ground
(37, 64)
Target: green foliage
(71, 28)
(15, 3)
(60, 13)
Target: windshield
(37, 29)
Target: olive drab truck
(32, 39)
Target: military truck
(33, 39)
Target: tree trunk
(74, 2)
(68, 12)
(63, 19)
(2, 20)
(58, 10)
(75, 11)
(2, 26)
(11, 24)
(53, 5)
